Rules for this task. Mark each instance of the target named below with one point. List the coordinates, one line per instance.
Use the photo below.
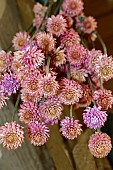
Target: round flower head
(38, 9)
(70, 92)
(70, 128)
(86, 99)
(72, 7)
(37, 20)
(100, 145)
(48, 86)
(104, 98)
(88, 25)
(104, 67)
(9, 84)
(94, 118)
(51, 110)
(56, 25)
(3, 99)
(69, 20)
(78, 74)
(45, 42)
(76, 54)
(3, 61)
(37, 133)
(11, 135)
(28, 112)
(69, 38)
(20, 40)
(58, 56)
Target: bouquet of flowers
(55, 67)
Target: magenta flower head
(11, 135)
(94, 118)
(100, 144)
(37, 133)
(70, 128)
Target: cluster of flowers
(54, 70)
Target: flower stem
(91, 87)
(68, 70)
(102, 43)
(71, 110)
(48, 64)
(16, 106)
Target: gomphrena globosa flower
(70, 128)
(103, 98)
(37, 133)
(72, 7)
(51, 110)
(94, 118)
(100, 144)
(11, 135)
(70, 92)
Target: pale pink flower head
(51, 110)
(70, 128)
(27, 96)
(100, 144)
(38, 9)
(37, 133)
(91, 60)
(11, 135)
(45, 41)
(28, 112)
(69, 38)
(56, 25)
(48, 86)
(86, 99)
(79, 74)
(72, 7)
(3, 99)
(103, 98)
(104, 67)
(20, 40)
(37, 21)
(94, 118)
(70, 92)
(3, 61)
(76, 54)
(88, 25)
(59, 57)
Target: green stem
(16, 106)
(68, 70)
(48, 64)
(71, 110)
(101, 84)
(102, 43)
(98, 130)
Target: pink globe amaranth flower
(100, 144)
(11, 135)
(69, 38)
(51, 110)
(104, 67)
(58, 56)
(9, 84)
(3, 61)
(70, 128)
(91, 59)
(76, 54)
(78, 74)
(20, 39)
(56, 25)
(72, 7)
(86, 99)
(94, 118)
(37, 133)
(104, 98)
(88, 25)
(28, 112)
(48, 86)
(70, 92)
(45, 41)
(3, 99)
(31, 83)
(38, 9)
(33, 58)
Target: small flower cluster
(54, 69)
